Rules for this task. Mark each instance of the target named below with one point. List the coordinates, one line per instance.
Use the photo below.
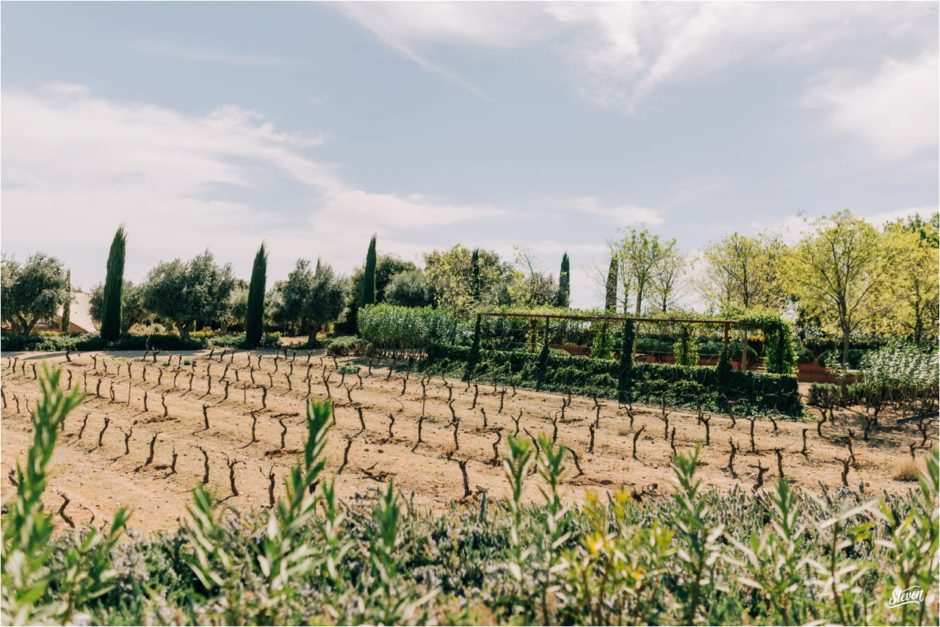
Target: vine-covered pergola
(779, 351)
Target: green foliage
(460, 284)
(686, 347)
(32, 291)
(408, 289)
(344, 345)
(625, 380)
(38, 587)
(700, 557)
(390, 327)
(904, 375)
(254, 316)
(309, 299)
(778, 341)
(196, 291)
(698, 540)
(112, 296)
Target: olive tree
(32, 291)
(132, 305)
(408, 288)
(310, 298)
(191, 292)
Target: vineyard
(527, 491)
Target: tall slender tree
(610, 297)
(368, 276)
(254, 314)
(114, 288)
(564, 283)
(67, 305)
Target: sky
(552, 127)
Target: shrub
(390, 327)
(345, 345)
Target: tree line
(844, 276)
(199, 293)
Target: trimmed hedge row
(679, 386)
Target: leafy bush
(390, 327)
(344, 345)
(824, 395)
(901, 374)
(268, 340)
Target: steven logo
(914, 594)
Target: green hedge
(682, 385)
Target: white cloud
(619, 214)
(893, 111)
(619, 53)
(880, 219)
(76, 165)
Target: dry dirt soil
(96, 472)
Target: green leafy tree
(32, 291)
(743, 273)
(641, 254)
(113, 287)
(132, 309)
(530, 287)
(408, 288)
(387, 268)
(461, 285)
(563, 299)
(189, 293)
(837, 270)
(309, 299)
(910, 304)
(254, 316)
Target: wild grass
(777, 557)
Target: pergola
(725, 323)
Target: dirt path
(98, 478)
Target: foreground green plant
(85, 572)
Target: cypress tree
(368, 276)
(563, 299)
(475, 290)
(625, 380)
(67, 305)
(610, 298)
(112, 302)
(254, 316)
